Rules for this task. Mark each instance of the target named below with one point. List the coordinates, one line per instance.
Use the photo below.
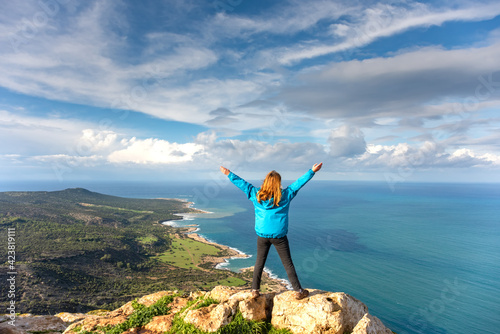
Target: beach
(191, 229)
(270, 282)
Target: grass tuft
(206, 302)
(140, 317)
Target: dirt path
(192, 257)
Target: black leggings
(281, 245)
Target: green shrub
(206, 302)
(140, 317)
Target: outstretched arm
(295, 187)
(247, 188)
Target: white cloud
(428, 155)
(384, 20)
(108, 146)
(465, 157)
(154, 151)
(283, 19)
(205, 151)
(346, 151)
(98, 141)
(399, 156)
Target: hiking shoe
(255, 294)
(301, 294)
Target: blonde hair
(271, 188)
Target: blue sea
(424, 257)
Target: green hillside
(78, 250)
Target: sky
(395, 91)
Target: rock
(353, 310)
(158, 325)
(254, 309)
(222, 293)
(322, 312)
(257, 309)
(319, 313)
(90, 323)
(11, 330)
(370, 324)
(81, 322)
(113, 318)
(239, 296)
(47, 324)
(177, 304)
(124, 310)
(148, 300)
(213, 317)
(196, 294)
(71, 317)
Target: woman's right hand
(224, 170)
(317, 167)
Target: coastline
(232, 253)
(270, 282)
(187, 205)
(274, 283)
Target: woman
(271, 221)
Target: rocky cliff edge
(162, 312)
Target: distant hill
(72, 201)
(78, 250)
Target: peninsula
(78, 251)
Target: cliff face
(170, 312)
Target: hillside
(78, 250)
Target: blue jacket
(271, 221)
